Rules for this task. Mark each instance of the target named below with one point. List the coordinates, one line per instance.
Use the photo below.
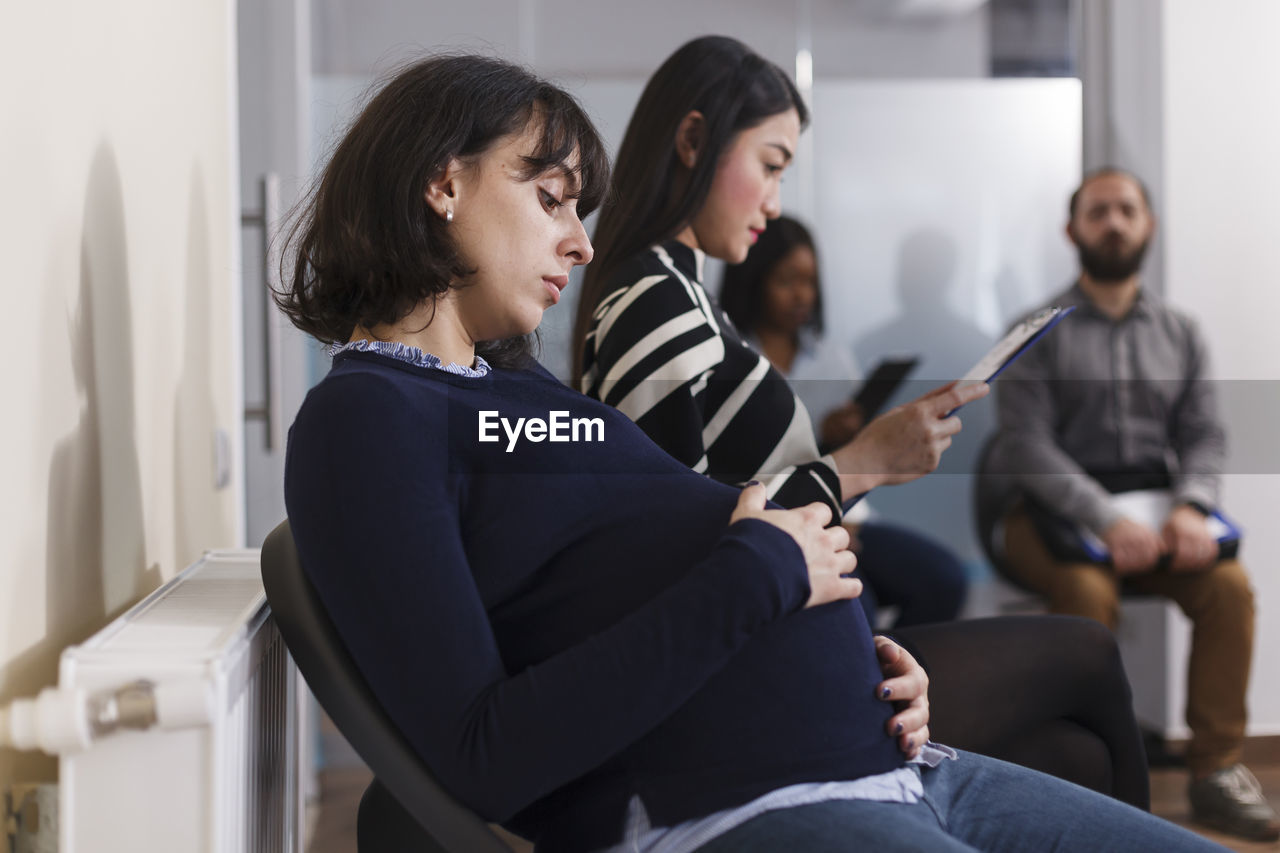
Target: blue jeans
(975, 803)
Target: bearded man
(1118, 399)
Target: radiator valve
(61, 720)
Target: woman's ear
(690, 134)
(442, 190)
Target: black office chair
(404, 808)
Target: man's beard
(1108, 265)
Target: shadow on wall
(1011, 302)
(948, 343)
(95, 544)
(106, 333)
(200, 517)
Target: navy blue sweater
(560, 625)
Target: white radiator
(231, 786)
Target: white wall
(1221, 218)
(120, 209)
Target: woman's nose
(578, 246)
(773, 203)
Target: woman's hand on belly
(826, 549)
(906, 685)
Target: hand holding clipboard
(905, 442)
(1012, 345)
(908, 441)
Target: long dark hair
(653, 195)
(365, 247)
(742, 287)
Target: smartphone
(877, 388)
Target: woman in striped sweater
(698, 174)
(649, 341)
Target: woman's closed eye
(549, 201)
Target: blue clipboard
(1012, 345)
(1070, 541)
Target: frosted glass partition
(335, 100)
(939, 208)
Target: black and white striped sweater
(660, 350)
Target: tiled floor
(342, 785)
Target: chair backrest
(345, 696)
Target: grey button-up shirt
(1098, 396)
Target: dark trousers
(904, 569)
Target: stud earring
(448, 216)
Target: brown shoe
(1230, 800)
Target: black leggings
(1045, 692)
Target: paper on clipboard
(1012, 345)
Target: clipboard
(877, 388)
(1012, 345)
(1069, 541)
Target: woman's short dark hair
(653, 195)
(365, 247)
(742, 287)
